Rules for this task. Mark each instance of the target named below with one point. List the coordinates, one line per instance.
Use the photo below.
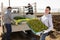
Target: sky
(41, 4)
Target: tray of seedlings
(36, 26)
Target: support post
(9, 3)
(35, 9)
(1, 20)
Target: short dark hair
(29, 4)
(48, 7)
(9, 8)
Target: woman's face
(47, 10)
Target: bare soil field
(53, 36)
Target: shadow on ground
(27, 35)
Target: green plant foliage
(20, 20)
(36, 25)
(19, 17)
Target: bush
(36, 25)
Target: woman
(47, 20)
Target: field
(54, 36)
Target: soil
(30, 36)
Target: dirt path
(49, 38)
